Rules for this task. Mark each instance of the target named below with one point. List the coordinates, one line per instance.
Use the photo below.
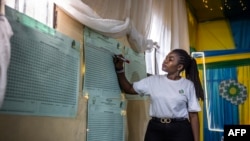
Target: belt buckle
(165, 120)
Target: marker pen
(125, 60)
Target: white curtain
(169, 27)
(5, 54)
(41, 10)
(144, 22)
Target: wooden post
(2, 7)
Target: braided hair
(191, 71)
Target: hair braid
(192, 74)
(191, 71)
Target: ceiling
(207, 10)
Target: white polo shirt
(169, 98)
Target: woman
(174, 103)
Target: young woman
(174, 103)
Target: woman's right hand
(118, 62)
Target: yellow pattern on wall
(214, 35)
(244, 78)
(201, 114)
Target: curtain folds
(218, 111)
(5, 54)
(169, 27)
(147, 24)
(117, 26)
(241, 32)
(90, 18)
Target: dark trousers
(174, 131)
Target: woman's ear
(180, 67)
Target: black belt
(169, 120)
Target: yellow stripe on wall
(214, 59)
(243, 74)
